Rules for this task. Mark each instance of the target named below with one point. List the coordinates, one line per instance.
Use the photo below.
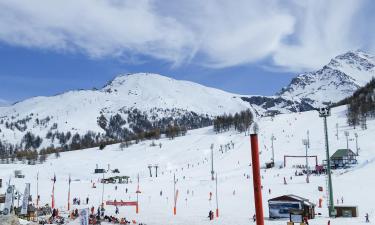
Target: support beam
(256, 179)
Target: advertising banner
(25, 200)
(8, 200)
(84, 216)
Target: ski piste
(189, 158)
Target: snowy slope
(78, 111)
(188, 158)
(337, 80)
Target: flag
(25, 200)
(84, 216)
(8, 200)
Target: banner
(84, 216)
(121, 203)
(25, 200)
(8, 200)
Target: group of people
(76, 201)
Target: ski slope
(188, 158)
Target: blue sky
(244, 46)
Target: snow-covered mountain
(337, 80)
(126, 103)
(139, 102)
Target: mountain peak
(134, 78)
(338, 79)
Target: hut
(282, 206)
(346, 211)
(343, 158)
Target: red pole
(53, 196)
(256, 179)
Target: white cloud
(325, 29)
(296, 35)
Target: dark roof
(342, 152)
(292, 198)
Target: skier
(98, 212)
(161, 192)
(269, 191)
(210, 196)
(211, 215)
(102, 211)
(342, 200)
(116, 188)
(285, 181)
(126, 190)
(87, 200)
(254, 218)
(92, 210)
(367, 218)
(305, 220)
(329, 222)
(117, 210)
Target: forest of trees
(127, 127)
(239, 121)
(361, 105)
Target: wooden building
(346, 211)
(281, 207)
(343, 158)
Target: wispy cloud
(4, 102)
(295, 34)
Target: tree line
(239, 121)
(133, 127)
(361, 105)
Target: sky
(243, 46)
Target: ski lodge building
(281, 207)
(343, 158)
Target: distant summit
(337, 80)
(340, 78)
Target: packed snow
(188, 157)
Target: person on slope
(306, 220)
(211, 215)
(367, 218)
